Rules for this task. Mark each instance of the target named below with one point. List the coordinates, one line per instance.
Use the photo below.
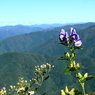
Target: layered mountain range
(21, 53)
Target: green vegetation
(27, 41)
(46, 48)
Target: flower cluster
(67, 91)
(74, 66)
(31, 87)
(73, 38)
(22, 82)
(12, 87)
(21, 90)
(41, 74)
(31, 92)
(43, 69)
(83, 78)
(3, 91)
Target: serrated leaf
(72, 69)
(44, 93)
(89, 78)
(86, 79)
(68, 45)
(77, 92)
(67, 71)
(63, 58)
(46, 78)
(80, 47)
(62, 43)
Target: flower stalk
(73, 42)
(83, 88)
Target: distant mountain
(88, 38)
(27, 41)
(77, 26)
(9, 31)
(50, 26)
(49, 47)
(47, 26)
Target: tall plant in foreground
(73, 42)
(41, 73)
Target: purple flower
(73, 35)
(72, 31)
(63, 36)
(73, 38)
(78, 43)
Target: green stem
(71, 60)
(83, 88)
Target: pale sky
(28, 12)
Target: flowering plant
(32, 87)
(73, 42)
(73, 38)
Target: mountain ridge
(9, 31)
(49, 47)
(26, 41)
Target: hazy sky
(26, 12)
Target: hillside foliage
(21, 53)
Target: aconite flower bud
(52, 66)
(31, 92)
(78, 65)
(74, 63)
(73, 55)
(79, 75)
(62, 92)
(67, 54)
(72, 91)
(85, 75)
(11, 86)
(71, 65)
(66, 89)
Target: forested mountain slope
(27, 41)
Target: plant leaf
(80, 47)
(46, 78)
(77, 92)
(44, 93)
(67, 70)
(63, 58)
(89, 77)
